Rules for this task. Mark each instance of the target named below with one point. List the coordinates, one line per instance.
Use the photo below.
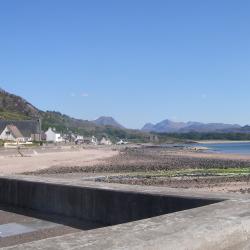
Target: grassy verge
(192, 172)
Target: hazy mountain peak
(148, 127)
(165, 126)
(107, 121)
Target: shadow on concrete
(77, 223)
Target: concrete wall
(101, 205)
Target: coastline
(220, 141)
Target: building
(94, 140)
(38, 137)
(12, 133)
(29, 128)
(105, 141)
(53, 136)
(122, 142)
(86, 140)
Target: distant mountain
(167, 126)
(148, 127)
(245, 129)
(107, 121)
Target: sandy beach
(65, 157)
(170, 167)
(145, 165)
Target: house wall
(52, 136)
(6, 137)
(58, 138)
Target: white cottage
(53, 136)
(12, 133)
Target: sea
(242, 148)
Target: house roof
(25, 127)
(14, 131)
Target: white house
(122, 142)
(12, 133)
(105, 141)
(94, 140)
(53, 136)
(79, 137)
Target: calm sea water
(229, 148)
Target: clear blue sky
(136, 60)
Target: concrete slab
(222, 225)
(12, 229)
(19, 226)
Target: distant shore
(220, 141)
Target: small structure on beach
(53, 136)
(12, 133)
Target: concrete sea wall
(105, 206)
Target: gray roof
(25, 127)
(14, 131)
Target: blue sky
(136, 60)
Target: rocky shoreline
(151, 159)
(171, 167)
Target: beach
(177, 167)
(11, 162)
(143, 165)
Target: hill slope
(14, 107)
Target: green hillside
(13, 107)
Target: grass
(12, 116)
(193, 172)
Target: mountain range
(13, 107)
(168, 126)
